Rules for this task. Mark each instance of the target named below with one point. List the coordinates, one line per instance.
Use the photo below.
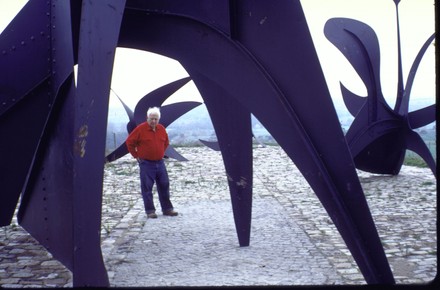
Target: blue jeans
(150, 172)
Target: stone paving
(293, 241)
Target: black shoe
(152, 215)
(170, 213)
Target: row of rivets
(53, 62)
(23, 43)
(8, 103)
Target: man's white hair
(153, 110)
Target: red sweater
(147, 144)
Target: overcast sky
(136, 72)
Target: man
(147, 143)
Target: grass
(416, 161)
(427, 183)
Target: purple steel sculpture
(246, 57)
(56, 158)
(379, 135)
(211, 144)
(170, 114)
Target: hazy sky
(136, 72)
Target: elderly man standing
(147, 143)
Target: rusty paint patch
(80, 143)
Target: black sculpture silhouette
(379, 135)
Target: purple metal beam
(232, 124)
(100, 23)
(46, 208)
(24, 99)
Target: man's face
(153, 120)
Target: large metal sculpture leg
(65, 138)
(25, 99)
(46, 206)
(232, 123)
(97, 45)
